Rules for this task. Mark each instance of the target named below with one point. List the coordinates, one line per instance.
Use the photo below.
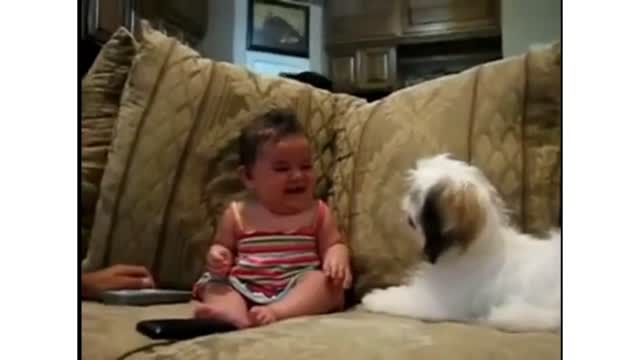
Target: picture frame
(278, 27)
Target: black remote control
(182, 329)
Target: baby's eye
(306, 167)
(281, 169)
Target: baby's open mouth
(295, 190)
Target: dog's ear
(451, 215)
(432, 224)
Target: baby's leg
(313, 294)
(222, 302)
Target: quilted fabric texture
(172, 169)
(350, 335)
(542, 122)
(485, 116)
(429, 118)
(101, 88)
(347, 126)
(108, 332)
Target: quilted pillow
(173, 164)
(501, 116)
(542, 140)
(100, 97)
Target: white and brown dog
(478, 268)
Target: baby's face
(282, 176)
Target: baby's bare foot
(262, 315)
(209, 311)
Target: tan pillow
(173, 163)
(542, 140)
(479, 116)
(101, 91)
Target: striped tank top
(268, 263)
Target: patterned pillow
(101, 91)
(501, 116)
(173, 166)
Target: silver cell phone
(145, 296)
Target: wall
(226, 38)
(529, 22)
(218, 40)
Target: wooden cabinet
(376, 68)
(356, 20)
(363, 69)
(366, 39)
(440, 17)
(186, 21)
(343, 71)
(103, 17)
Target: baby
(278, 254)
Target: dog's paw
(396, 300)
(522, 317)
(375, 301)
(403, 301)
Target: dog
(477, 268)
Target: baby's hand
(219, 260)
(336, 265)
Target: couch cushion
(173, 163)
(542, 123)
(489, 115)
(109, 331)
(101, 91)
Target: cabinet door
(437, 17)
(356, 20)
(376, 68)
(343, 72)
(104, 17)
(186, 20)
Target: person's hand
(336, 265)
(115, 277)
(219, 260)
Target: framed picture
(278, 27)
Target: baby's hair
(267, 127)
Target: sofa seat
(354, 334)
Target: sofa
(159, 128)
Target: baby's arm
(220, 256)
(334, 251)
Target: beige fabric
(173, 165)
(419, 121)
(348, 127)
(109, 332)
(542, 139)
(484, 116)
(101, 90)
(172, 169)
(350, 335)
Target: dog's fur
(477, 267)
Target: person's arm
(333, 250)
(225, 230)
(220, 256)
(115, 277)
(329, 237)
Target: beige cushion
(101, 91)
(173, 163)
(349, 335)
(109, 332)
(542, 139)
(491, 115)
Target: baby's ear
(245, 176)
